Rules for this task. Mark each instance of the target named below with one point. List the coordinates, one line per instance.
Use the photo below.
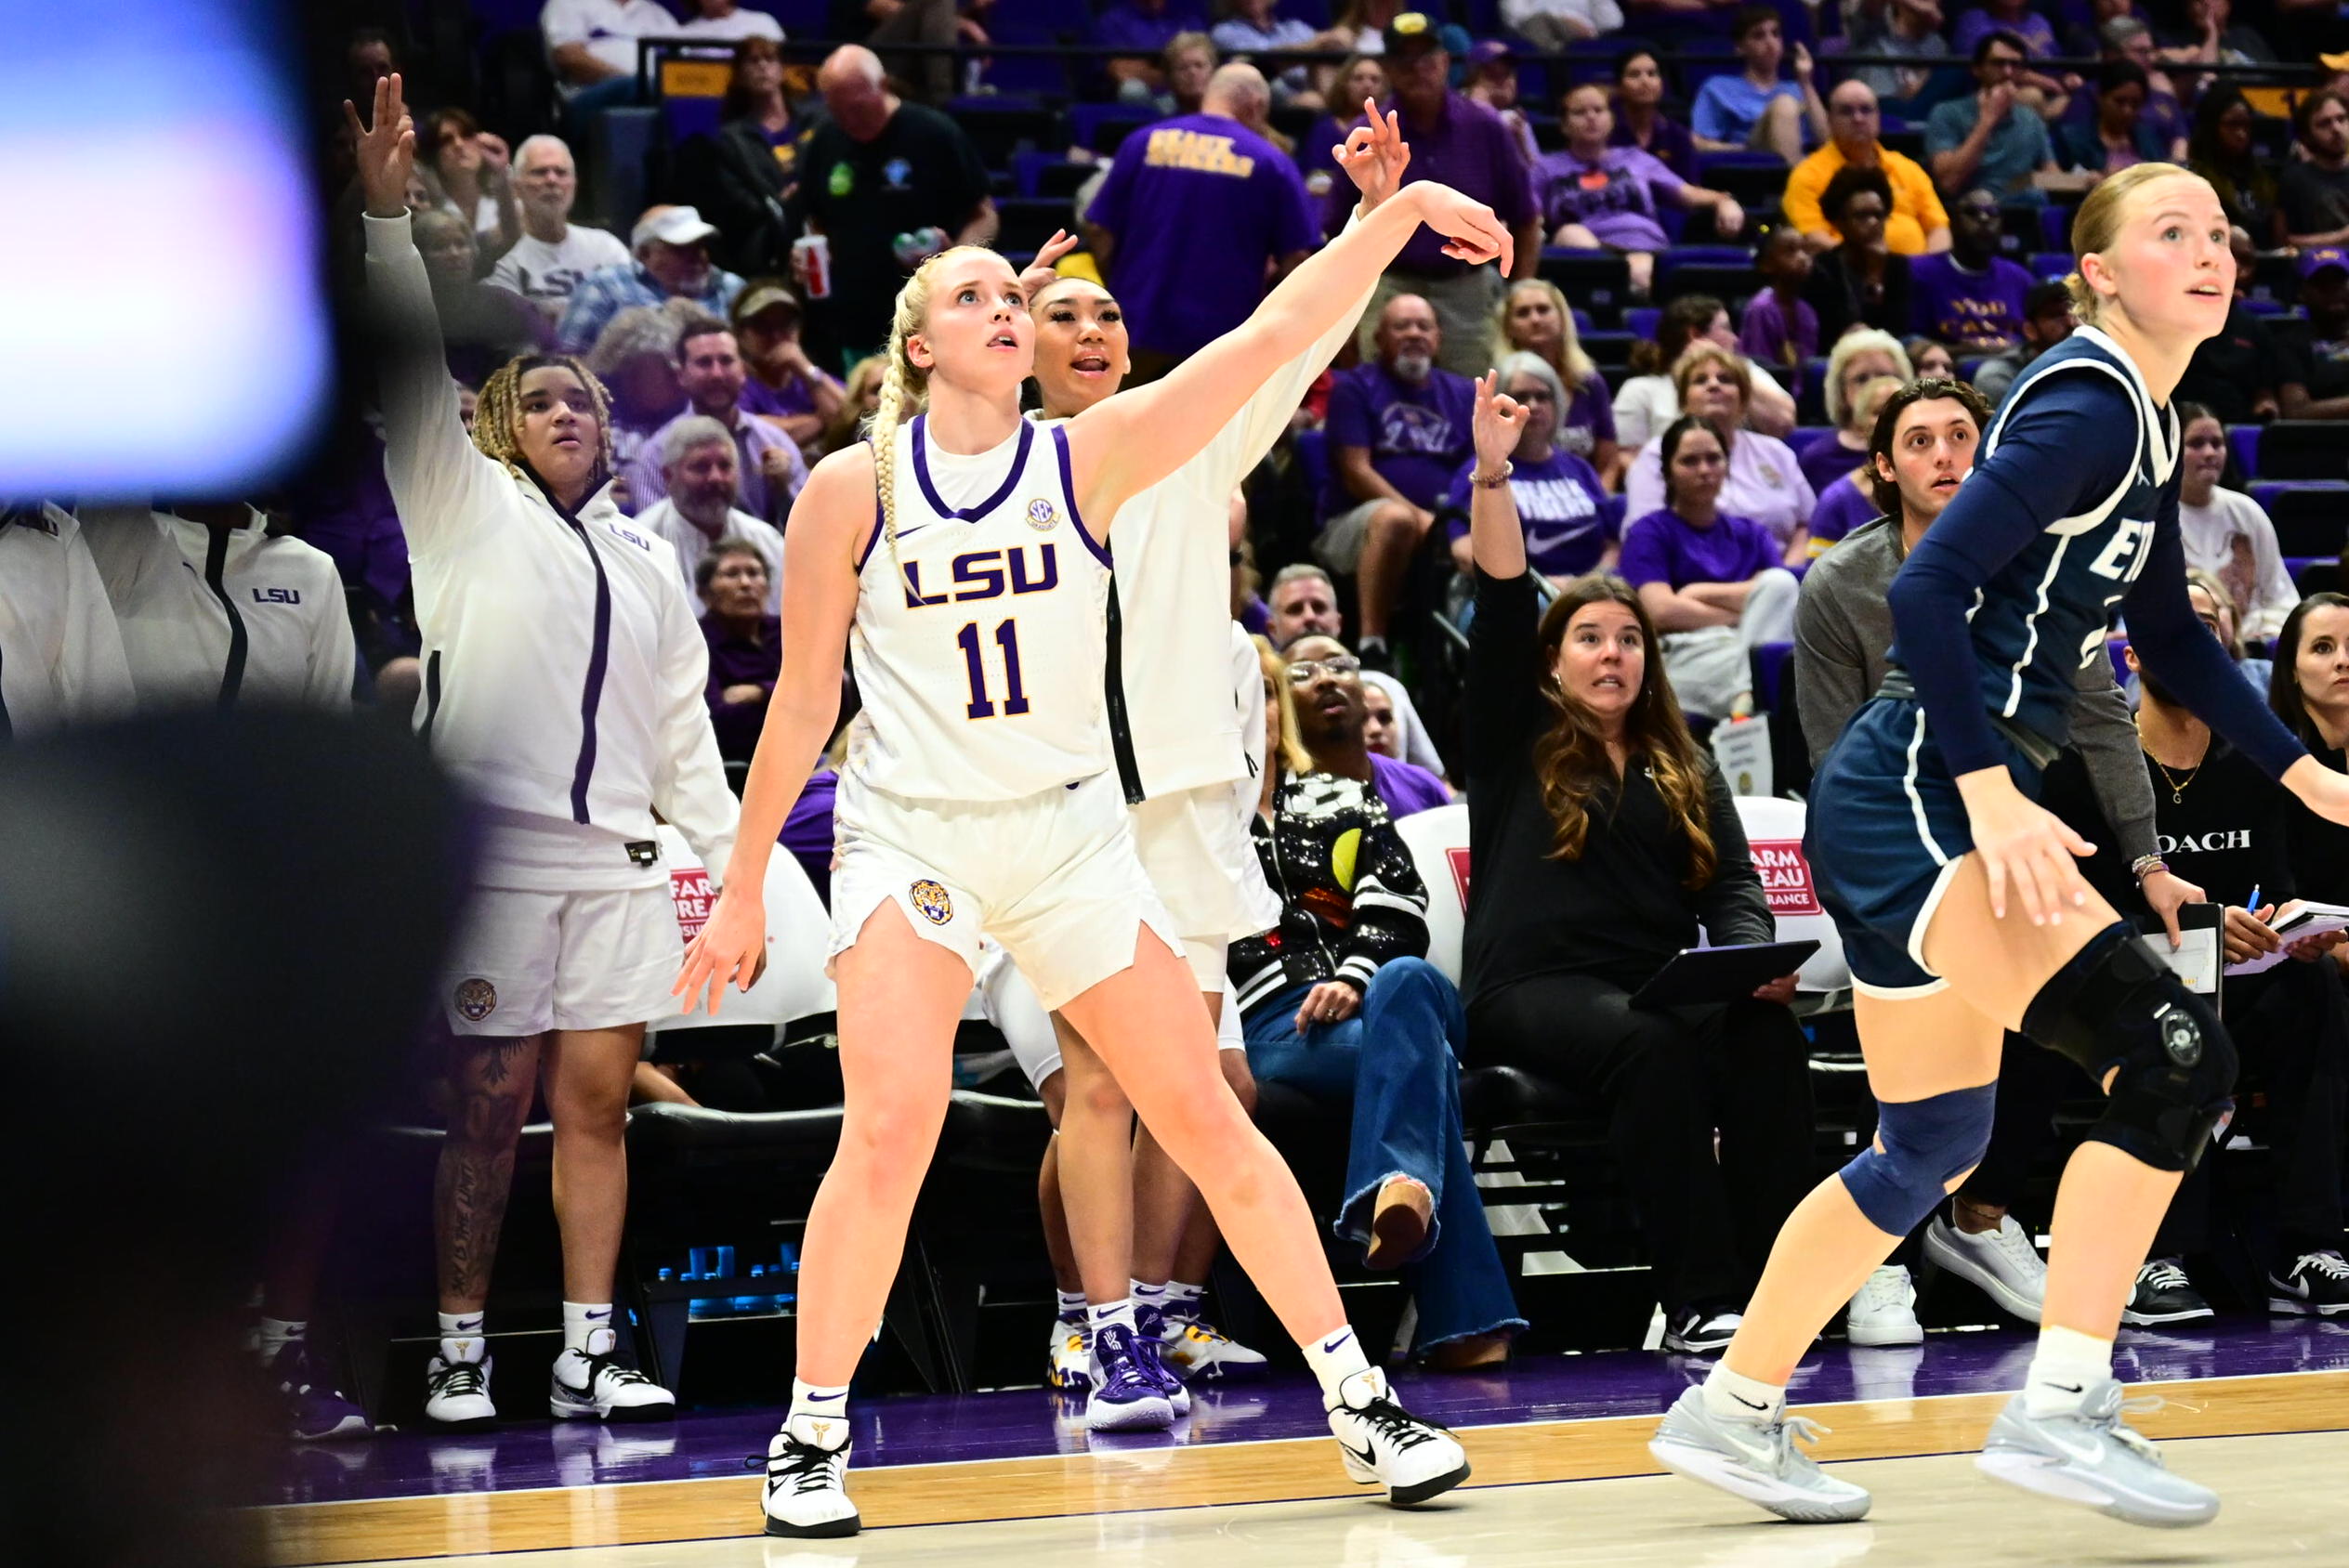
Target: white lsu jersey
(979, 647)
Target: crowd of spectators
(1700, 443)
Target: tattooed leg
(491, 1082)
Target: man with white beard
(704, 474)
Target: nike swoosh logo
(1747, 1402)
(908, 533)
(2071, 1388)
(2091, 1455)
(1367, 1458)
(1332, 1344)
(598, 1317)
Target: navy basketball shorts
(1883, 834)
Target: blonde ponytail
(904, 392)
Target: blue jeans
(1395, 1058)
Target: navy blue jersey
(2071, 513)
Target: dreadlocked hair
(904, 390)
(497, 417)
(1571, 763)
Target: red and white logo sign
(1458, 861)
(690, 889)
(1786, 877)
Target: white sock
(1334, 1357)
(588, 1328)
(818, 1416)
(1733, 1396)
(275, 1334)
(1108, 1315)
(1149, 1296)
(1182, 1300)
(463, 1338)
(2067, 1365)
(1072, 1305)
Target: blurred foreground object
(217, 939)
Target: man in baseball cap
(785, 385)
(2312, 378)
(1457, 141)
(672, 261)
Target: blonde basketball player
(960, 554)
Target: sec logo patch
(475, 1000)
(1041, 515)
(932, 901)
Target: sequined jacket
(1350, 897)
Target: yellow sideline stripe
(1280, 1471)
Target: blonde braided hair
(497, 417)
(904, 391)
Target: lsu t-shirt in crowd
(1561, 507)
(1614, 198)
(1199, 204)
(544, 274)
(1665, 547)
(1418, 435)
(1971, 311)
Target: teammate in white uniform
(563, 685)
(979, 793)
(61, 653)
(1182, 736)
(215, 609)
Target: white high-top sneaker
(1385, 1444)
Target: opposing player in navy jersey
(1960, 905)
(961, 553)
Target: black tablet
(1710, 975)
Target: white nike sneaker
(1069, 1359)
(2001, 1263)
(2093, 1458)
(808, 1479)
(597, 1388)
(456, 1395)
(1757, 1460)
(1385, 1444)
(1885, 1312)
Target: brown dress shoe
(1400, 1223)
(1477, 1352)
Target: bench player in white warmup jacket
(563, 687)
(1181, 742)
(980, 793)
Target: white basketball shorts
(1198, 855)
(525, 961)
(1053, 876)
(1010, 1004)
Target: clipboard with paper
(2302, 917)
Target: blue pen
(2253, 905)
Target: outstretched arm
(1127, 443)
(1496, 537)
(830, 524)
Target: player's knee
(1395, 520)
(897, 1134)
(2119, 1011)
(1922, 1148)
(1097, 1098)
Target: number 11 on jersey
(1014, 693)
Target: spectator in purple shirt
(1464, 144)
(1198, 216)
(1146, 27)
(1780, 330)
(745, 643)
(1593, 193)
(1970, 296)
(1535, 318)
(710, 368)
(1847, 499)
(783, 386)
(1640, 120)
(1360, 81)
(1397, 432)
(1332, 720)
(1712, 582)
(1561, 504)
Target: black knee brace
(2116, 1005)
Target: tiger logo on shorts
(932, 901)
(1042, 516)
(475, 1000)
